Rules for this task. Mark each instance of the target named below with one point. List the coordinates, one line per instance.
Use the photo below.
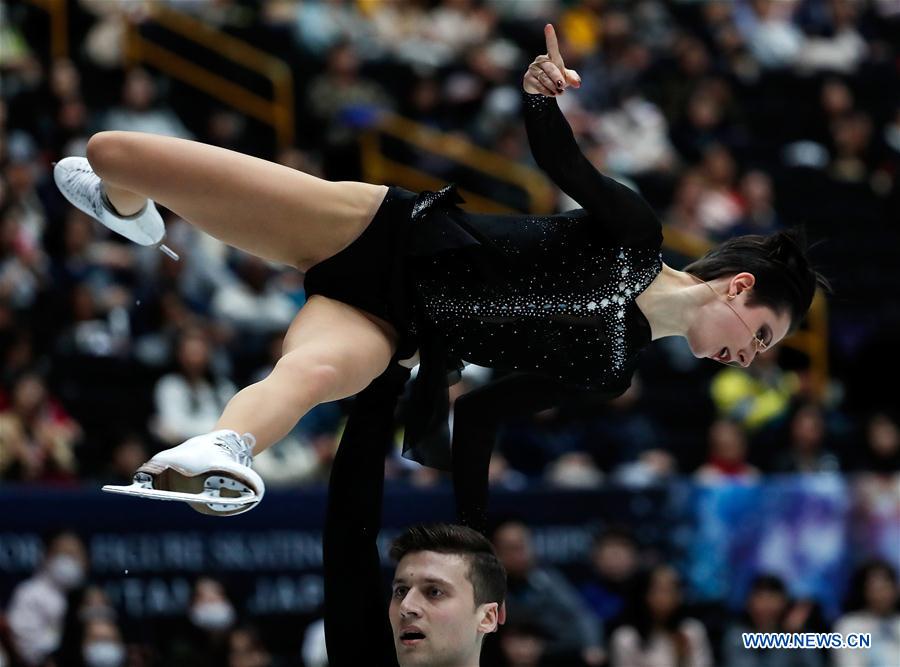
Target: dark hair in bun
(785, 280)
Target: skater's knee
(314, 377)
(106, 150)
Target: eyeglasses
(758, 342)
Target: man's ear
(490, 617)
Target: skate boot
(210, 472)
(81, 186)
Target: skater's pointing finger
(553, 47)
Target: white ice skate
(81, 186)
(211, 473)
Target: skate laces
(86, 184)
(238, 447)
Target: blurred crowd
(729, 117)
(626, 608)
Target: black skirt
(371, 273)
(377, 273)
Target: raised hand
(548, 75)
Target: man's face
(433, 613)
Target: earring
(731, 297)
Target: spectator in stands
(523, 642)
(658, 630)
(635, 136)
(126, 454)
(399, 30)
(189, 400)
(344, 102)
(727, 456)
(101, 266)
(720, 206)
(318, 26)
(759, 214)
(544, 594)
(246, 649)
(806, 449)
(102, 645)
(38, 605)
(758, 396)
(851, 137)
(83, 606)
(835, 101)
(314, 651)
(615, 558)
(574, 470)
(771, 34)
(65, 127)
(37, 436)
(684, 212)
(23, 266)
(766, 609)
(881, 449)
(253, 305)
(204, 641)
(652, 466)
(22, 171)
(503, 476)
(140, 110)
(703, 123)
(872, 606)
(836, 45)
(455, 26)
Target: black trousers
(477, 417)
(357, 629)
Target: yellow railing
(59, 25)
(378, 168)
(277, 112)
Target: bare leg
(264, 208)
(331, 351)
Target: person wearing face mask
(204, 640)
(872, 606)
(38, 605)
(102, 645)
(85, 605)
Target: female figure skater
(395, 277)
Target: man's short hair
(486, 574)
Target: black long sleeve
(477, 416)
(357, 629)
(621, 214)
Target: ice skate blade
(139, 490)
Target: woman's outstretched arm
(622, 213)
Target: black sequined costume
(551, 295)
